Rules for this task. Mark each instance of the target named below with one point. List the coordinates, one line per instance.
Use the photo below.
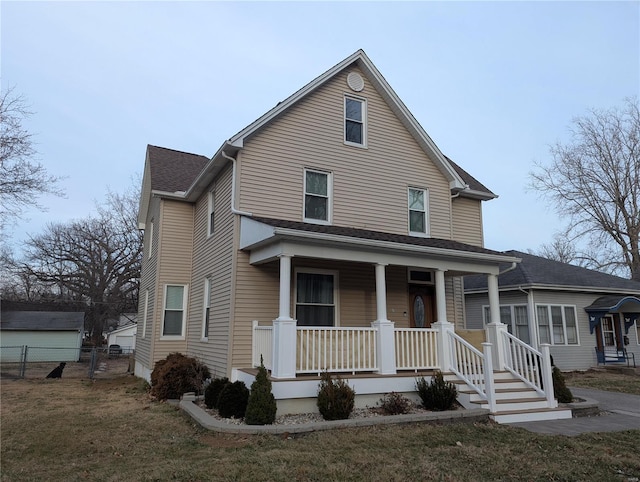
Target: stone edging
(188, 405)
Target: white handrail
(468, 363)
(416, 348)
(524, 362)
(262, 345)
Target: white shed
(48, 335)
(125, 337)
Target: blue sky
(493, 83)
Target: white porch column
(442, 325)
(284, 327)
(495, 327)
(385, 336)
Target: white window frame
(336, 292)
(329, 197)
(564, 324)
(150, 251)
(425, 193)
(363, 103)
(184, 311)
(206, 309)
(211, 206)
(512, 325)
(145, 313)
(638, 331)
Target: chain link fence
(86, 362)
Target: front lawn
(71, 430)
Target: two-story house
(329, 234)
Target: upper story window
(175, 301)
(206, 309)
(211, 211)
(150, 251)
(317, 196)
(418, 207)
(355, 116)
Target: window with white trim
(355, 116)
(150, 251)
(557, 324)
(175, 301)
(516, 317)
(145, 313)
(418, 202)
(316, 298)
(206, 309)
(638, 331)
(317, 196)
(211, 212)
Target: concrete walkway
(620, 412)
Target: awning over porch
(628, 306)
(267, 239)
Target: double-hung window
(145, 313)
(317, 196)
(175, 301)
(316, 298)
(418, 210)
(557, 324)
(516, 319)
(211, 213)
(355, 115)
(150, 251)
(206, 309)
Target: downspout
(510, 268)
(233, 186)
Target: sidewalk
(620, 412)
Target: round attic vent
(355, 81)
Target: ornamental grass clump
(395, 404)
(261, 407)
(562, 392)
(213, 390)
(176, 375)
(438, 394)
(233, 399)
(335, 398)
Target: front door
(421, 306)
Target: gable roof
(537, 272)
(196, 172)
(42, 321)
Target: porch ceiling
(266, 239)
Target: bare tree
(594, 181)
(22, 178)
(96, 260)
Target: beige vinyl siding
(175, 248)
(455, 301)
(213, 258)
(369, 184)
(467, 221)
(149, 270)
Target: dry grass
(110, 430)
(604, 379)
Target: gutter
(233, 185)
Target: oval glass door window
(418, 312)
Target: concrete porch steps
(515, 401)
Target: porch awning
(627, 305)
(266, 239)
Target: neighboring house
(48, 335)
(579, 312)
(124, 336)
(331, 233)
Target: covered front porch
(385, 347)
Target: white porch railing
(262, 345)
(473, 367)
(416, 349)
(529, 365)
(336, 349)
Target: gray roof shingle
(173, 171)
(42, 321)
(535, 270)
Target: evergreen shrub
(261, 407)
(562, 392)
(177, 374)
(438, 394)
(335, 398)
(212, 392)
(233, 399)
